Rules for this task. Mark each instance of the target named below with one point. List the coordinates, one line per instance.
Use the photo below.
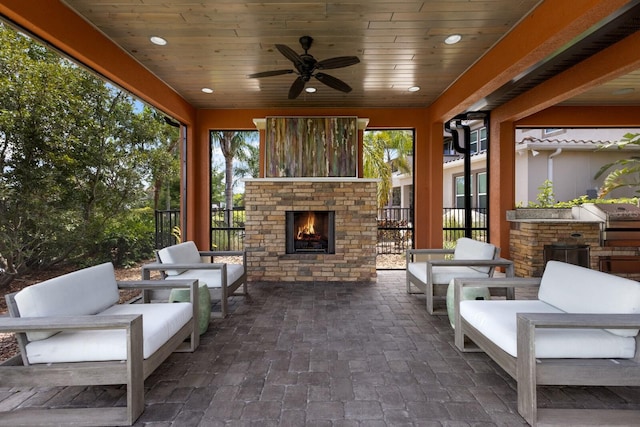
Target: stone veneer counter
(354, 202)
(532, 229)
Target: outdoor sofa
(430, 271)
(582, 330)
(185, 261)
(72, 331)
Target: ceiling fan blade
(290, 54)
(269, 73)
(337, 62)
(333, 82)
(296, 87)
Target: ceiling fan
(307, 66)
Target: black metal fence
(453, 225)
(227, 229)
(166, 222)
(395, 230)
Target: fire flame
(308, 227)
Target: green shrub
(127, 240)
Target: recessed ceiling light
(453, 39)
(207, 90)
(310, 90)
(414, 88)
(157, 40)
(623, 91)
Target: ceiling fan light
(414, 88)
(453, 39)
(207, 90)
(157, 40)
(310, 90)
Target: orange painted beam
(615, 61)
(61, 28)
(610, 63)
(546, 29)
(558, 116)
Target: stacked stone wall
(354, 204)
(528, 238)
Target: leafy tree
(160, 155)
(626, 172)
(384, 151)
(74, 157)
(217, 185)
(249, 162)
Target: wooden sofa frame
(17, 372)
(437, 292)
(223, 293)
(530, 372)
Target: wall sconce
(534, 152)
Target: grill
(619, 232)
(620, 223)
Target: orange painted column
(198, 176)
(435, 190)
(502, 183)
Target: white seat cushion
(182, 253)
(496, 320)
(467, 248)
(443, 275)
(82, 292)
(577, 289)
(211, 277)
(159, 323)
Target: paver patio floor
(330, 355)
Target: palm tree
(627, 172)
(249, 165)
(233, 144)
(382, 152)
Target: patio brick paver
(334, 354)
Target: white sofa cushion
(575, 289)
(182, 253)
(211, 277)
(497, 320)
(473, 249)
(443, 275)
(82, 292)
(159, 323)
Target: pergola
(504, 78)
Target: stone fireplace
(310, 229)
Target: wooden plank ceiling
(216, 44)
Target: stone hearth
(354, 203)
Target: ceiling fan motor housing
(305, 42)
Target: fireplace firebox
(310, 232)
